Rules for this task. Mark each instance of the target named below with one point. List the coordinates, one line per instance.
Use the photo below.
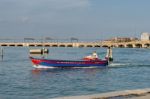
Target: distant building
(145, 36)
(122, 39)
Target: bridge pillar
(144, 46)
(25, 44)
(134, 46)
(75, 44)
(125, 45)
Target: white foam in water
(116, 64)
(110, 65)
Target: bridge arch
(47, 45)
(121, 46)
(39, 45)
(89, 46)
(12, 45)
(19, 45)
(31, 45)
(62, 46)
(97, 46)
(138, 45)
(129, 46)
(147, 45)
(4, 45)
(54, 45)
(69, 45)
(81, 46)
(113, 46)
(104, 45)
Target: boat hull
(47, 63)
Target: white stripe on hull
(41, 66)
(51, 67)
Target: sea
(20, 80)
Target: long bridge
(133, 44)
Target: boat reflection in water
(67, 71)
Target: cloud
(41, 16)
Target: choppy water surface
(19, 80)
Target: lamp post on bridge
(28, 39)
(74, 39)
(48, 38)
(74, 43)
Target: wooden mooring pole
(1, 53)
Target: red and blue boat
(85, 62)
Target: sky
(83, 19)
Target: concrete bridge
(133, 44)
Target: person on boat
(109, 55)
(94, 56)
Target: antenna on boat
(109, 54)
(44, 50)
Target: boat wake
(117, 64)
(112, 65)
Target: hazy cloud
(79, 18)
(23, 9)
(63, 4)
